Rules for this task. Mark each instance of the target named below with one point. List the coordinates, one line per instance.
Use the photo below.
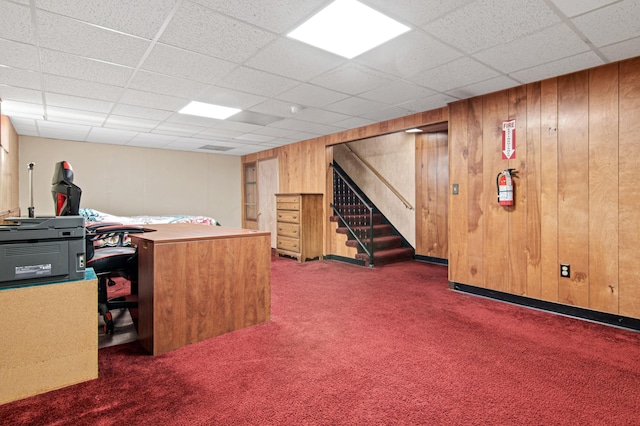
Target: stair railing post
(352, 217)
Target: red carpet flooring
(358, 346)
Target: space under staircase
(376, 240)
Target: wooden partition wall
(9, 158)
(304, 166)
(432, 189)
(577, 199)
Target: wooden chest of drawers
(299, 225)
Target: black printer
(39, 250)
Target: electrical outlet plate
(565, 270)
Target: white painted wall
(393, 156)
(128, 181)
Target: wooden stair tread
(382, 257)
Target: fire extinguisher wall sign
(509, 140)
(504, 182)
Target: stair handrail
(406, 203)
(368, 250)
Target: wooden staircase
(387, 247)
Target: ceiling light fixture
(202, 109)
(348, 28)
(413, 131)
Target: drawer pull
(295, 217)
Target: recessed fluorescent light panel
(348, 28)
(202, 109)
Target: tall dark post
(31, 209)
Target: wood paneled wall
(432, 189)
(304, 166)
(9, 163)
(577, 199)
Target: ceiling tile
(536, 49)
(150, 140)
(234, 126)
(293, 124)
(416, 12)
(20, 94)
(573, 8)
(229, 98)
(293, 59)
(186, 144)
(387, 114)
(487, 86)
(487, 23)
(98, 62)
(85, 89)
(274, 132)
(216, 133)
(426, 104)
(182, 63)
(559, 67)
(626, 49)
(15, 22)
(140, 17)
(355, 106)
(611, 24)
(251, 117)
(141, 112)
(354, 122)
(274, 15)
(254, 81)
(459, 73)
(274, 107)
(22, 109)
(192, 120)
(352, 78)
(202, 30)
(408, 54)
(311, 95)
(68, 35)
(162, 84)
(153, 100)
(81, 68)
(76, 102)
(255, 137)
(167, 128)
(316, 115)
(66, 131)
(25, 126)
(397, 92)
(18, 55)
(111, 136)
(128, 123)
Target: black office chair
(66, 195)
(107, 248)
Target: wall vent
(216, 148)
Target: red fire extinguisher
(504, 182)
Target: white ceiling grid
(117, 71)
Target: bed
(95, 216)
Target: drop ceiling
(118, 71)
